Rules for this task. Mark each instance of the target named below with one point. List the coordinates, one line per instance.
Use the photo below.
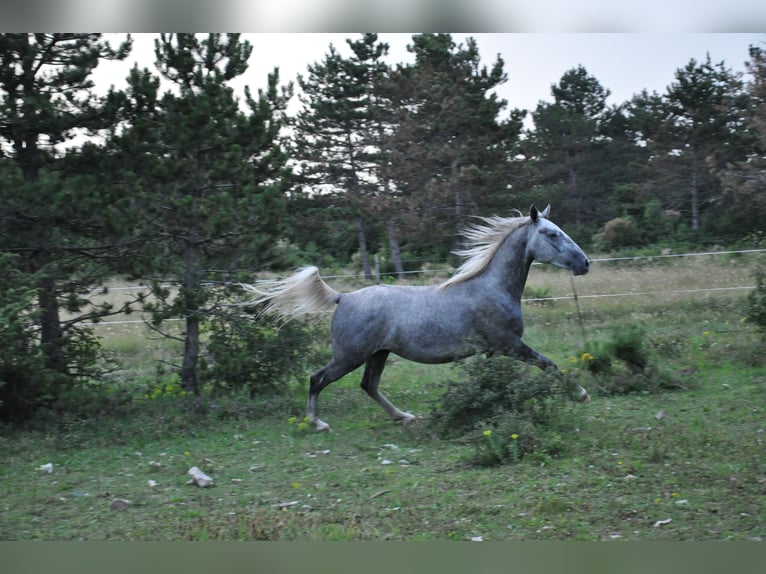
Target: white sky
(623, 63)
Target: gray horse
(477, 310)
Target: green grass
(698, 474)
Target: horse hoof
(407, 419)
(322, 426)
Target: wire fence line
(450, 269)
(538, 299)
(667, 255)
(638, 293)
(524, 300)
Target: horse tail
(301, 293)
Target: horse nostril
(583, 267)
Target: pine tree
(335, 132)
(744, 180)
(367, 54)
(567, 148)
(700, 125)
(449, 153)
(692, 131)
(52, 213)
(207, 178)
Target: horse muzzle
(581, 267)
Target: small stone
(119, 504)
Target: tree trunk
(51, 333)
(574, 199)
(396, 252)
(695, 196)
(189, 381)
(363, 249)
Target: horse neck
(509, 267)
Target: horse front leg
(529, 355)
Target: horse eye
(552, 234)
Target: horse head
(547, 243)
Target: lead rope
(579, 313)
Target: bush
(755, 306)
(618, 233)
(255, 354)
(628, 344)
(596, 359)
(24, 381)
(538, 295)
(623, 363)
(505, 409)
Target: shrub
(538, 295)
(618, 233)
(628, 344)
(505, 409)
(25, 384)
(596, 359)
(255, 354)
(755, 305)
(623, 363)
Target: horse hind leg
(370, 381)
(319, 380)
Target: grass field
(698, 474)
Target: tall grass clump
(755, 304)
(506, 410)
(623, 363)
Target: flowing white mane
(482, 242)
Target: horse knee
(546, 364)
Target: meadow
(687, 463)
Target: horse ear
(545, 212)
(533, 213)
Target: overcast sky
(623, 63)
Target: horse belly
(413, 327)
(427, 337)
